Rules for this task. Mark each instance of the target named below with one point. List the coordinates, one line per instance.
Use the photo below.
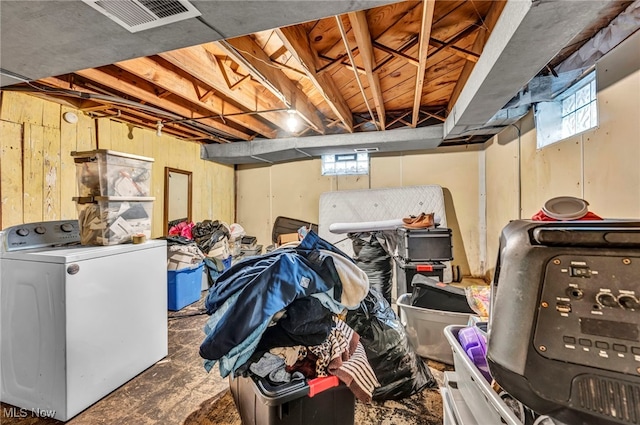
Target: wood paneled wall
(37, 173)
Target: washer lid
(566, 208)
(63, 255)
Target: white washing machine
(77, 322)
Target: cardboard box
(287, 237)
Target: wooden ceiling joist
(245, 49)
(135, 89)
(360, 29)
(428, 7)
(167, 77)
(200, 61)
(297, 42)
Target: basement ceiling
(241, 70)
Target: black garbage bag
(207, 233)
(398, 368)
(372, 257)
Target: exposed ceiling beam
(428, 7)
(478, 45)
(297, 42)
(200, 61)
(167, 76)
(360, 29)
(135, 89)
(244, 49)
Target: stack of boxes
(113, 203)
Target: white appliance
(77, 322)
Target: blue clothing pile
(246, 297)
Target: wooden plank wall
(37, 173)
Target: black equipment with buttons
(564, 331)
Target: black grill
(613, 398)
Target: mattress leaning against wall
(354, 206)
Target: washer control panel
(42, 234)
(589, 312)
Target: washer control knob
(22, 231)
(67, 227)
(40, 230)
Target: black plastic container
(425, 245)
(405, 271)
(297, 403)
(434, 295)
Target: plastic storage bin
(406, 271)
(485, 404)
(113, 220)
(425, 329)
(292, 406)
(183, 286)
(103, 172)
(455, 410)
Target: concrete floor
(177, 390)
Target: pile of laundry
(281, 316)
(278, 316)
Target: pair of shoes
(412, 218)
(423, 221)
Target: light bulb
(292, 121)
(159, 128)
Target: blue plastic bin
(184, 286)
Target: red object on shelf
(541, 216)
(318, 385)
(424, 268)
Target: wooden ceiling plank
(200, 61)
(163, 76)
(136, 91)
(360, 28)
(297, 42)
(489, 23)
(425, 34)
(244, 48)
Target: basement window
(574, 111)
(345, 164)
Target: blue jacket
(265, 285)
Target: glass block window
(574, 111)
(345, 164)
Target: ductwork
(294, 148)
